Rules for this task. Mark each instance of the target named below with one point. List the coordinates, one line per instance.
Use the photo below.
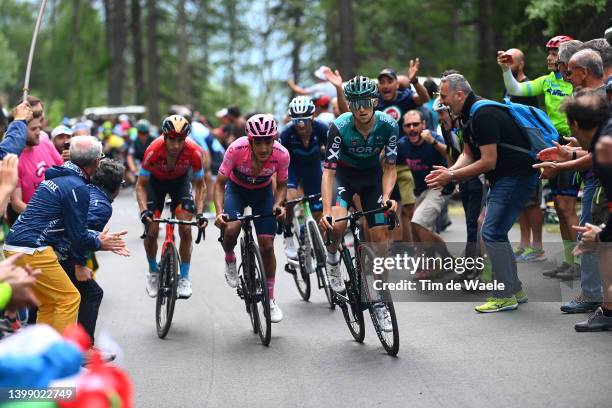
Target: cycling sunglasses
(264, 140)
(361, 103)
(175, 135)
(301, 121)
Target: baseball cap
(221, 113)
(321, 99)
(61, 130)
(388, 72)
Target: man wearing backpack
(491, 137)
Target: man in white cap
(60, 136)
(323, 86)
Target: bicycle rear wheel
(260, 303)
(319, 255)
(166, 294)
(388, 339)
(352, 311)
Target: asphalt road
(449, 355)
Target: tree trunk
(152, 63)
(108, 28)
(136, 33)
(297, 14)
(231, 57)
(184, 88)
(117, 70)
(347, 46)
(487, 74)
(74, 43)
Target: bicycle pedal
(239, 292)
(289, 269)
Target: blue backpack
(533, 122)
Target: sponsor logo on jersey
(394, 112)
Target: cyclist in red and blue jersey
(245, 179)
(172, 165)
(305, 139)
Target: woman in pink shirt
(35, 159)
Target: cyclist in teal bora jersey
(566, 185)
(353, 166)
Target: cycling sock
(270, 284)
(333, 258)
(184, 270)
(568, 247)
(152, 265)
(230, 257)
(288, 230)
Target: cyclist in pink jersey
(245, 179)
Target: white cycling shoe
(184, 288)
(335, 277)
(290, 249)
(276, 314)
(383, 317)
(231, 274)
(152, 284)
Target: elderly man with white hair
(57, 211)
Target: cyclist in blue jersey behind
(352, 164)
(305, 139)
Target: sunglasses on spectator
(361, 103)
(412, 125)
(301, 121)
(37, 114)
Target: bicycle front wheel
(380, 302)
(166, 294)
(352, 311)
(260, 302)
(319, 256)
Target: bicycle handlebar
(249, 218)
(303, 198)
(201, 231)
(392, 222)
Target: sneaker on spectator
(552, 273)
(497, 305)
(598, 321)
(531, 255)
(521, 297)
(581, 304)
(518, 251)
(571, 273)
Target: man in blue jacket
(104, 188)
(59, 209)
(15, 136)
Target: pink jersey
(238, 166)
(33, 162)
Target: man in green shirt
(564, 187)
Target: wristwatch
(435, 142)
(452, 174)
(414, 80)
(573, 155)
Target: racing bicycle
(358, 296)
(311, 251)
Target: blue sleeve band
(144, 173)
(198, 174)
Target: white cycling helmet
(301, 107)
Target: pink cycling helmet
(261, 126)
(555, 42)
